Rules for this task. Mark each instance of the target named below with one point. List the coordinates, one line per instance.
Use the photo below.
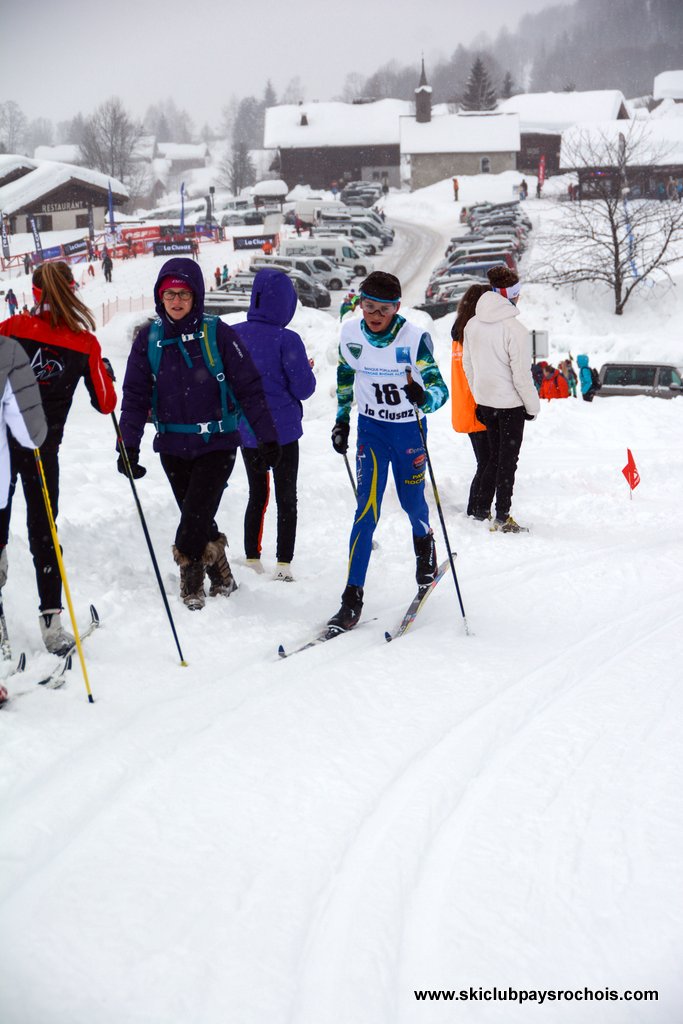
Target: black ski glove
(340, 437)
(134, 459)
(415, 393)
(109, 368)
(269, 455)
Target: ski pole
(129, 473)
(62, 571)
(409, 376)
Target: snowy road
(310, 841)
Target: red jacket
(554, 387)
(59, 358)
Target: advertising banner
(172, 248)
(36, 238)
(5, 239)
(252, 241)
(71, 248)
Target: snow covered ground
(310, 841)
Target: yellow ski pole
(62, 570)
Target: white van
(338, 250)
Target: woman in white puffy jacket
(497, 364)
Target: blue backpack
(230, 411)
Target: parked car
(335, 248)
(223, 300)
(471, 269)
(658, 380)
(309, 291)
(322, 272)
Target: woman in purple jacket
(280, 358)
(197, 377)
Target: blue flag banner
(36, 239)
(91, 223)
(182, 209)
(110, 201)
(5, 239)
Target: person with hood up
(497, 364)
(288, 380)
(586, 382)
(197, 377)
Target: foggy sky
(60, 57)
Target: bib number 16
(387, 393)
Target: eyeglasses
(184, 295)
(373, 307)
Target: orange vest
(463, 416)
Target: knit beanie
(505, 281)
(174, 282)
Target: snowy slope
(310, 841)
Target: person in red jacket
(553, 385)
(463, 406)
(61, 350)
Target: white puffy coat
(497, 356)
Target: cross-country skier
(374, 353)
(62, 350)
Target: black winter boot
(218, 568)
(348, 615)
(191, 580)
(426, 564)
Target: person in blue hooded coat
(280, 358)
(197, 378)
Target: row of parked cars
(327, 259)
(498, 234)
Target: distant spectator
(523, 189)
(91, 270)
(107, 266)
(12, 302)
(349, 303)
(588, 388)
(298, 224)
(554, 385)
(538, 189)
(537, 374)
(27, 264)
(463, 215)
(217, 276)
(456, 189)
(267, 247)
(25, 311)
(224, 273)
(569, 374)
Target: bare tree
(109, 138)
(12, 127)
(615, 234)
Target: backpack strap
(207, 337)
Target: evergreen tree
(479, 93)
(242, 171)
(508, 88)
(269, 95)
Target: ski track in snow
(308, 841)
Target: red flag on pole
(541, 170)
(630, 471)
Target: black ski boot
(191, 580)
(348, 615)
(426, 564)
(218, 568)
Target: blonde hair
(56, 282)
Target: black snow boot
(426, 564)
(218, 568)
(191, 580)
(348, 615)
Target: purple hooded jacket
(190, 394)
(279, 354)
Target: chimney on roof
(304, 120)
(423, 99)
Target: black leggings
(480, 444)
(39, 537)
(505, 429)
(284, 477)
(198, 486)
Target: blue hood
(582, 361)
(273, 297)
(186, 270)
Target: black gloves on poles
(134, 459)
(340, 437)
(414, 392)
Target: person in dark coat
(280, 358)
(12, 302)
(197, 438)
(107, 266)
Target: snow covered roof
(335, 124)
(668, 84)
(183, 150)
(10, 163)
(461, 133)
(555, 111)
(274, 187)
(658, 142)
(69, 153)
(49, 175)
(145, 148)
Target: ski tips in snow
(418, 603)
